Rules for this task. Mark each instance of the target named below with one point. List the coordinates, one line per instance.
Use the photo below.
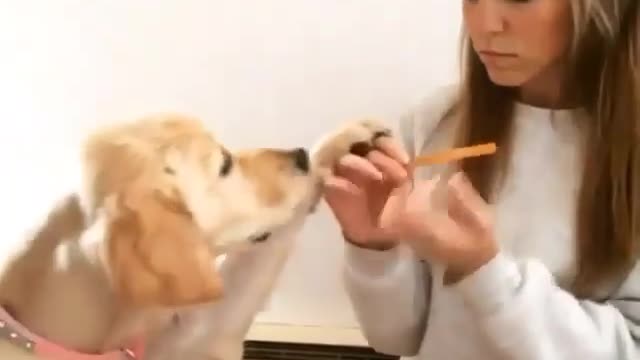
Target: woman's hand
(460, 235)
(377, 204)
(360, 189)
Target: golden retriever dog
(125, 267)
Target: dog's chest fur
(63, 292)
(73, 307)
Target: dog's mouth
(309, 206)
(255, 230)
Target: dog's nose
(301, 159)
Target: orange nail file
(455, 154)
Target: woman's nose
(487, 16)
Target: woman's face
(518, 40)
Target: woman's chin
(507, 78)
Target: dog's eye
(261, 237)
(227, 164)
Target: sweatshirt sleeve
(527, 316)
(390, 290)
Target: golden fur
(161, 199)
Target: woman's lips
(497, 59)
(496, 54)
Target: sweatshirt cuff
(492, 285)
(372, 262)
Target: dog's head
(174, 198)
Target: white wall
(276, 72)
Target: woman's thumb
(344, 199)
(393, 210)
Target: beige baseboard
(307, 334)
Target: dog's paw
(355, 137)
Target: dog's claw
(356, 138)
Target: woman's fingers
(336, 185)
(346, 201)
(421, 197)
(408, 207)
(388, 161)
(376, 166)
(394, 209)
(393, 149)
(392, 170)
(466, 205)
(432, 233)
(361, 166)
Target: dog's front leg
(217, 331)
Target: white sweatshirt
(513, 307)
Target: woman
(528, 254)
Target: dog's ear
(157, 255)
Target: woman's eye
(227, 164)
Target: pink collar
(12, 331)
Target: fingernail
(362, 165)
(460, 179)
(404, 158)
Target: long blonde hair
(605, 77)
